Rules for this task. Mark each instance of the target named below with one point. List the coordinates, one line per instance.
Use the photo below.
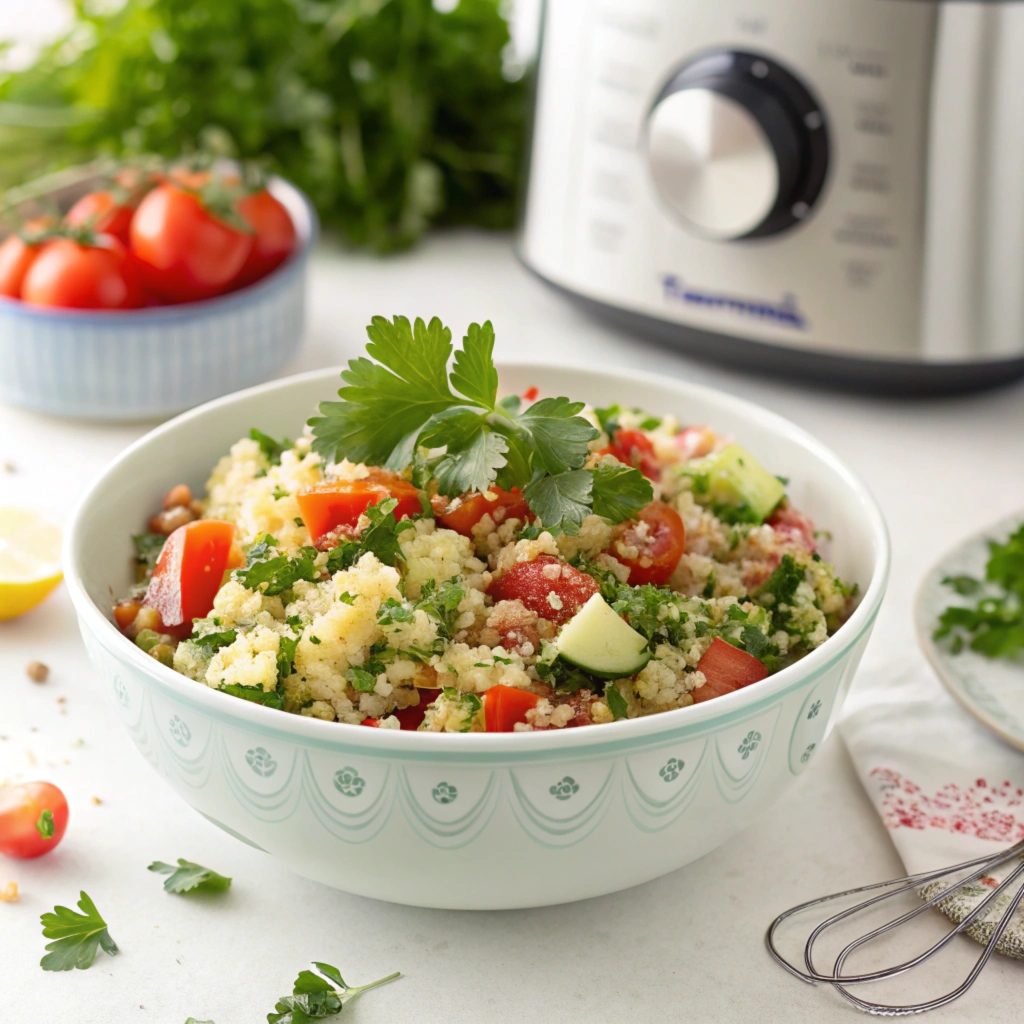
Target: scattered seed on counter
(31, 757)
(10, 467)
(9, 893)
(37, 671)
(97, 801)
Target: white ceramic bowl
(151, 363)
(476, 821)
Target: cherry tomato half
(72, 275)
(274, 238)
(189, 572)
(552, 589)
(726, 668)
(462, 514)
(634, 448)
(16, 257)
(794, 526)
(33, 819)
(185, 252)
(330, 506)
(504, 706)
(102, 212)
(659, 539)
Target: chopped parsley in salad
(427, 555)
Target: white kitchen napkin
(945, 787)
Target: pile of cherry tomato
(150, 238)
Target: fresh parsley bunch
(402, 406)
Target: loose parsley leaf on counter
(314, 998)
(403, 407)
(76, 936)
(994, 624)
(187, 876)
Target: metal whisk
(981, 866)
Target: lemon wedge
(29, 560)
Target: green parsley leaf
(192, 1020)
(147, 551)
(381, 536)
(780, 587)
(620, 492)
(212, 642)
(473, 374)
(271, 449)
(616, 702)
(561, 502)
(45, 826)
(278, 574)
(561, 437)
(255, 694)
(188, 876)
(76, 936)
(361, 680)
(279, 492)
(965, 586)
(441, 602)
(313, 998)
(286, 647)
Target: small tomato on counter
(33, 819)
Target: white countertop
(685, 947)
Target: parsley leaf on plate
(271, 449)
(563, 501)
(278, 574)
(187, 876)
(314, 997)
(561, 437)
(76, 936)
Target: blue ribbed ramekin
(152, 363)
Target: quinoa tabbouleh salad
(427, 556)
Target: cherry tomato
(102, 212)
(659, 539)
(634, 448)
(274, 239)
(554, 590)
(73, 275)
(411, 717)
(330, 506)
(185, 252)
(726, 668)
(462, 514)
(794, 526)
(16, 257)
(33, 819)
(189, 572)
(505, 705)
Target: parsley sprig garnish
(76, 936)
(314, 998)
(403, 400)
(187, 876)
(993, 624)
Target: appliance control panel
(748, 167)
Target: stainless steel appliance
(826, 188)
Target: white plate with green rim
(991, 689)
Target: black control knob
(737, 146)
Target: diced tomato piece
(125, 612)
(794, 526)
(695, 442)
(658, 536)
(412, 717)
(330, 506)
(505, 705)
(373, 723)
(634, 448)
(552, 589)
(530, 394)
(726, 669)
(462, 514)
(189, 572)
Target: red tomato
(530, 394)
(726, 668)
(185, 251)
(189, 571)
(71, 275)
(694, 442)
(462, 514)
(274, 239)
(505, 705)
(16, 257)
(659, 538)
(552, 589)
(408, 718)
(24, 821)
(794, 526)
(102, 212)
(330, 506)
(634, 448)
